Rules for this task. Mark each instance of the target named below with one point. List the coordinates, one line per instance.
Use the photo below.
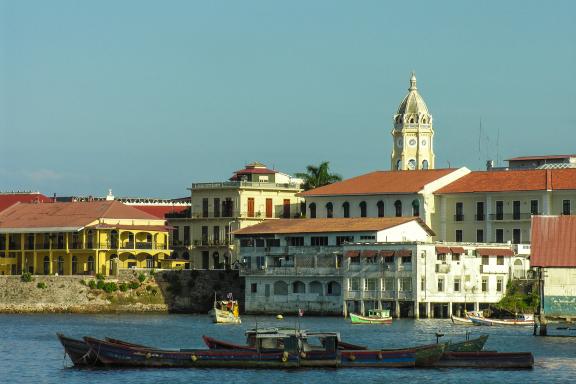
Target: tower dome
(413, 103)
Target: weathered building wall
(559, 292)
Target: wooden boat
(524, 320)
(486, 360)
(78, 351)
(466, 320)
(375, 316)
(399, 358)
(226, 312)
(472, 345)
(425, 355)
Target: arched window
(334, 289)
(312, 208)
(424, 120)
(362, 209)
(380, 206)
(329, 210)
(298, 287)
(74, 265)
(398, 165)
(60, 265)
(346, 209)
(424, 164)
(280, 288)
(411, 120)
(398, 207)
(316, 287)
(415, 208)
(91, 264)
(46, 265)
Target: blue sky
(146, 97)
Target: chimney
(489, 165)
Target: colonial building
(81, 238)
(298, 264)
(252, 195)
(413, 133)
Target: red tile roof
(68, 215)
(553, 241)
(494, 252)
(359, 224)
(9, 199)
(381, 182)
(514, 180)
(549, 157)
(160, 211)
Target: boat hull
(78, 351)
(516, 360)
(224, 317)
(473, 345)
(401, 358)
(484, 321)
(359, 319)
(461, 320)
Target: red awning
(442, 249)
(494, 252)
(352, 253)
(458, 250)
(403, 252)
(387, 253)
(369, 253)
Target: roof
(381, 182)
(494, 252)
(553, 241)
(9, 199)
(548, 157)
(67, 215)
(513, 180)
(358, 224)
(160, 211)
(413, 102)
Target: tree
(317, 176)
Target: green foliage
(100, 276)
(26, 277)
(318, 176)
(134, 285)
(41, 285)
(92, 284)
(517, 300)
(123, 287)
(148, 288)
(83, 282)
(152, 272)
(110, 287)
(141, 277)
(154, 291)
(100, 284)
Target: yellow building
(81, 238)
(252, 195)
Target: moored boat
(472, 345)
(225, 311)
(375, 316)
(523, 320)
(466, 319)
(510, 360)
(78, 351)
(425, 355)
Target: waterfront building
(252, 195)
(497, 206)
(81, 238)
(554, 258)
(298, 264)
(413, 133)
(424, 279)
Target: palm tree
(317, 176)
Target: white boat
(466, 319)
(522, 320)
(226, 312)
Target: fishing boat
(510, 360)
(226, 311)
(466, 320)
(425, 355)
(471, 345)
(522, 320)
(375, 316)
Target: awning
(369, 253)
(494, 252)
(386, 253)
(403, 252)
(442, 249)
(458, 250)
(352, 253)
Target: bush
(154, 291)
(41, 285)
(100, 284)
(110, 287)
(148, 287)
(26, 277)
(134, 285)
(152, 272)
(141, 277)
(92, 284)
(100, 276)
(83, 282)
(123, 287)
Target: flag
(300, 312)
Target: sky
(147, 97)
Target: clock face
(412, 142)
(412, 164)
(399, 142)
(423, 142)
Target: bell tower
(412, 134)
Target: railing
(377, 295)
(480, 217)
(458, 217)
(510, 216)
(278, 214)
(244, 184)
(291, 271)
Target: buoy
(193, 357)
(279, 317)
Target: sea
(31, 353)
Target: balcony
(484, 268)
(510, 216)
(244, 184)
(442, 268)
(291, 271)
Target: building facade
(81, 238)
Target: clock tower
(412, 133)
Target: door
(250, 207)
(268, 208)
(286, 205)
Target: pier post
(345, 309)
(416, 309)
(476, 306)
(396, 309)
(428, 310)
(362, 307)
(450, 309)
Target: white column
(449, 309)
(416, 310)
(428, 314)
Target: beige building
(252, 195)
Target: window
(484, 284)
(415, 207)
(205, 207)
(480, 211)
(440, 284)
(534, 207)
(516, 236)
(370, 284)
(398, 208)
(499, 235)
(30, 241)
(499, 284)
(485, 260)
(216, 234)
(186, 235)
(398, 164)
(480, 235)
(260, 262)
(312, 207)
(459, 216)
(406, 259)
(565, 207)
(516, 210)
(254, 287)
(363, 209)
(457, 284)
(459, 235)
(329, 210)
(441, 257)
(424, 162)
(260, 243)
(204, 235)
(406, 284)
(317, 241)
(423, 284)
(455, 257)
(344, 239)
(499, 260)
(216, 207)
(499, 210)
(355, 284)
(296, 241)
(388, 284)
(227, 207)
(380, 206)
(389, 259)
(367, 237)
(346, 209)
(286, 209)
(74, 265)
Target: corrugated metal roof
(553, 241)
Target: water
(30, 352)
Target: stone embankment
(130, 292)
